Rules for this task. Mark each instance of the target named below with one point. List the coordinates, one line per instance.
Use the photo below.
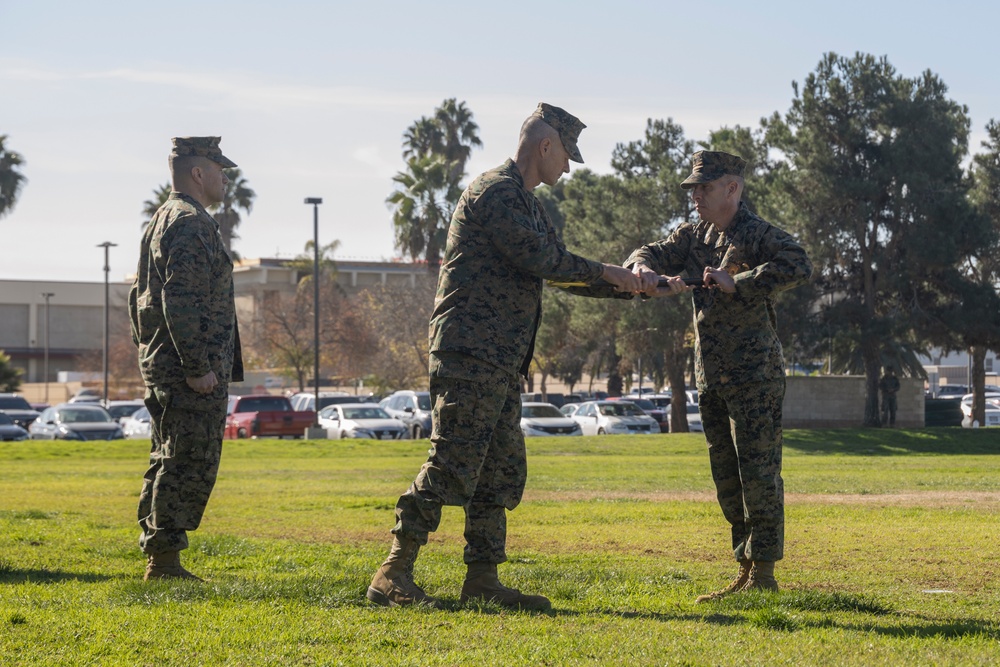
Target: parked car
(693, 419)
(265, 416)
(86, 395)
(569, 409)
(943, 411)
(360, 420)
(76, 421)
(413, 408)
(137, 424)
(613, 417)
(306, 400)
(651, 409)
(9, 430)
(948, 391)
(545, 419)
(18, 409)
(660, 400)
(992, 410)
(122, 409)
(555, 399)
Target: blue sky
(312, 98)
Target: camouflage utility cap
(201, 147)
(706, 166)
(566, 124)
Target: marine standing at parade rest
(183, 317)
(739, 371)
(888, 384)
(501, 245)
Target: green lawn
(888, 558)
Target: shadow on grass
(888, 442)
(35, 576)
(779, 612)
(804, 600)
(984, 629)
(328, 593)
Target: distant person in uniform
(739, 370)
(183, 316)
(501, 245)
(888, 386)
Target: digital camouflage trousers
(477, 458)
(186, 447)
(743, 428)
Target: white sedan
(137, 424)
(360, 420)
(545, 419)
(693, 418)
(613, 417)
(992, 409)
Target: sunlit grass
(887, 558)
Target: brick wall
(838, 401)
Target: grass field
(888, 558)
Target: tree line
(869, 169)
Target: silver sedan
(360, 420)
(76, 421)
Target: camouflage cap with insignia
(566, 124)
(707, 166)
(201, 147)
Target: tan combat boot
(742, 577)
(167, 565)
(482, 583)
(762, 577)
(392, 585)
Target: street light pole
(315, 201)
(107, 245)
(638, 356)
(45, 367)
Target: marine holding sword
(501, 245)
(742, 261)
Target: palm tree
(459, 134)
(238, 196)
(151, 206)
(304, 262)
(421, 139)
(11, 178)
(436, 151)
(451, 135)
(421, 209)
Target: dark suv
(18, 409)
(413, 408)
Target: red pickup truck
(265, 416)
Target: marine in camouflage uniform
(501, 245)
(739, 370)
(183, 318)
(888, 385)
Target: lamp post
(107, 245)
(315, 201)
(638, 356)
(45, 366)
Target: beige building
(73, 317)
(75, 311)
(256, 280)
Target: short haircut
(183, 164)
(534, 129)
(733, 178)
